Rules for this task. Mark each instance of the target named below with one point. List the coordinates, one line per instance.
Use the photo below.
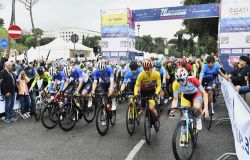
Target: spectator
(23, 92)
(2, 61)
(8, 89)
(30, 73)
(243, 68)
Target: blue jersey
(59, 76)
(163, 71)
(77, 74)
(210, 73)
(105, 76)
(131, 77)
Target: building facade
(66, 33)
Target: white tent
(58, 49)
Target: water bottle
(90, 102)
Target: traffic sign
(74, 38)
(15, 32)
(4, 43)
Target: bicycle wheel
(38, 109)
(112, 116)
(67, 117)
(49, 115)
(147, 125)
(182, 151)
(90, 113)
(208, 121)
(130, 120)
(102, 121)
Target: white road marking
(135, 150)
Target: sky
(54, 14)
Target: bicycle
(148, 119)
(132, 115)
(70, 113)
(50, 113)
(187, 134)
(104, 113)
(41, 102)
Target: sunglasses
(181, 80)
(147, 69)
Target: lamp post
(138, 28)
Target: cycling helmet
(40, 70)
(101, 65)
(147, 64)
(210, 59)
(181, 73)
(67, 70)
(157, 64)
(133, 65)
(52, 71)
(89, 64)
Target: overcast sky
(53, 14)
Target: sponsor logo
(237, 11)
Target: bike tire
(130, 123)
(99, 115)
(50, 115)
(112, 116)
(38, 109)
(71, 113)
(86, 116)
(208, 121)
(147, 126)
(174, 143)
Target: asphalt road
(29, 140)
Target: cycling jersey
(210, 73)
(130, 76)
(105, 76)
(77, 74)
(60, 77)
(190, 92)
(151, 83)
(45, 77)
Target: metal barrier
(239, 116)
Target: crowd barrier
(239, 115)
(17, 104)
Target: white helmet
(181, 73)
(89, 64)
(67, 71)
(101, 65)
(52, 71)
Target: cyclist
(131, 76)
(208, 74)
(192, 94)
(58, 78)
(45, 76)
(149, 82)
(105, 75)
(164, 74)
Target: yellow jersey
(147, 82)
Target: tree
(30, 41)
(46, 40)
(1, 22)
(28, 5)
(92, 42)
(205, 29)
